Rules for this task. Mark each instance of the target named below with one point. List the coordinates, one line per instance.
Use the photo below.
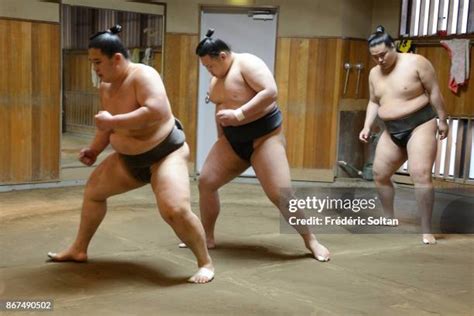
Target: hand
(88, 156)
(443, 129)
(364, 135)
(104, 121)
(227, 118)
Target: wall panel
(308, 74)
(29, 101)
(181, 82)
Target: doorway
(246, 30)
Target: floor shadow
(246, 251)
(104, 270)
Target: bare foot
(429, 239)
(319, 252)
(203, 275)
(68, 255)
(210, 244)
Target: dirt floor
(136, 268)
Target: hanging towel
(458, 50)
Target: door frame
(229, 8)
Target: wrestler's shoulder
(374, 72)
(142, 71)
(248, 63)
(415, 58)
(246, 58)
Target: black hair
(108, 42)
(211, 46)
(379, 37)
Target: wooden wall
(462, 103)
(355, 51)
(308, 77)
(181, 82)
(29, 101)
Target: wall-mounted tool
(347, 67)
(359, 68)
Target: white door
(245, 31)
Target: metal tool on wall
(347, 67)
(359, 68)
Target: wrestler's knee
(381, 176)
(280, 197)
(94, 189)
(94, 193)
(421, 176)
(174, 213)
(207, 182)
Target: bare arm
(220, 131)
(151, 96)
(212, 83)
(372, 108)
(100, 142)
(101, 138)
(371, 114)
(428, 78)
(260, 79)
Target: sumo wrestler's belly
(139, 141)
(395, 109)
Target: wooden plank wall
(458, 105)
(29, 101)
(181, 82)
(354, 52)
(80, 98)
(308, 74)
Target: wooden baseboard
(318, 175)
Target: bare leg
(271, 167)
(221, 166)
(98, 189)
(170, 182)
(388, 158)
(421, 156)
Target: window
(432, 17)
